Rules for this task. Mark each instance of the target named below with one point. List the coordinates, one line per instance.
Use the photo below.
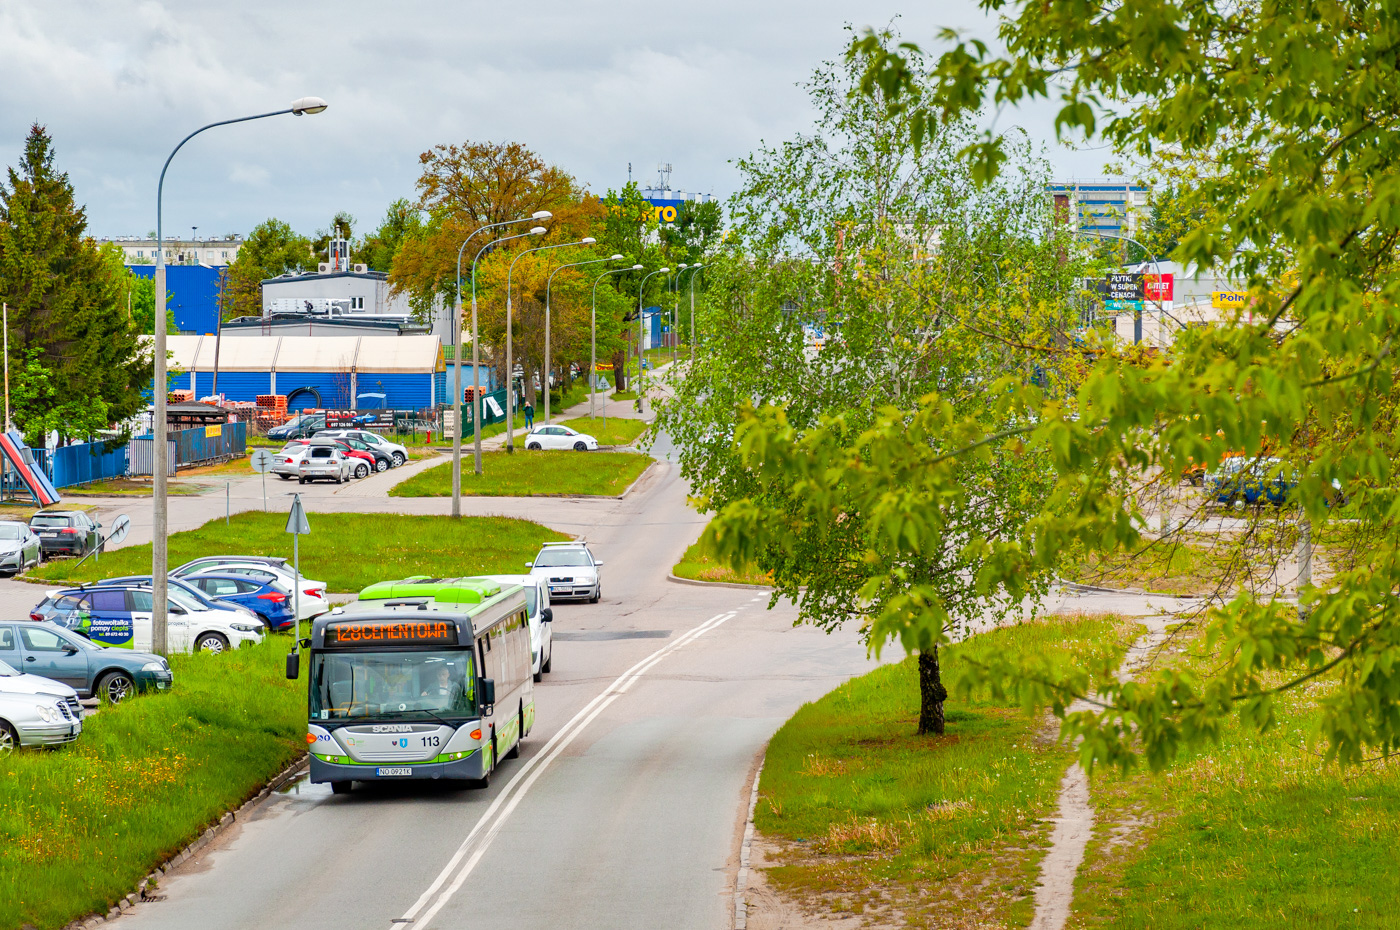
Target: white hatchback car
(541, 618)
(569, 570)
(312, 597)
(397, 453)
(559, 437)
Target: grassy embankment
(532, 474)
(943, 831)
(701, 563)
(1256, 831)
(617, 431)
(347, 551)
(81, 826)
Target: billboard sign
(1125, 286)
(1157, 287)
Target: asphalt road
(627, 804)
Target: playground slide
(19, 458)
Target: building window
(140, 253)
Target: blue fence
(81, 464)
(209, 443)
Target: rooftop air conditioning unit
(323, 268)
(361, 269)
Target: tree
(1284, 109)
(135, 294)
(401, 223)
(630, 229)
(69, 325)
(271, 249)
(342, 224)
(862, 274)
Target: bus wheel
(519, 735)
(341, 787)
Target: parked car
(36, 718)
(397, 453)
(194, 592)
(268, 600)
(383, 461)
(52, 651)
(286, 463)
(559, 437)
(120, 616)
(541, 618)
(20, 548)
(569, 570)
(323, 463)
(362, 463)
(301, 426)
(65, 532)
(313, 593)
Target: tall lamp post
(547, 285)
(510, 361)
(641, 339)
(160, 517)
(693, 268)
(476, 361)
(593, 343)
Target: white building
(211, 251)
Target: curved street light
(693, 268)
(641, 339)
(593, 343)
(549, 282)
(510, 361)
(476, 356)
(160, 516)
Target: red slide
(19, 457)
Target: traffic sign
(121, 526)
(261, 461)
(296, 520)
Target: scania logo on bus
(392, 728)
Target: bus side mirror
(488, 691)
(547, 614)
(293, 665)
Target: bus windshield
(419, 685)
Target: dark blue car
(258, 593)
(195, 593)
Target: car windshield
(10, 531)
(562, 558)
(184, 600)
(392, 685)
(43, 519)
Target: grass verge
(614, 432)
(348, 551)
(873, 819)
(1177, 566)
(532, 474)
(701, 563)
(1253, 832)
(80, 827)
(125, 487)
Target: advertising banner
(1157, 287)
(1125, 286)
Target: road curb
(1074, 587)
(719, 584)
(204, 839)
(741, 879)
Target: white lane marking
(480, 837)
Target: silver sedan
(323, 463)
(19, 547)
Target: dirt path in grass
(1074, 821)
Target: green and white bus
(426, 687)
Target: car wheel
(533, 445)
(399, 459)
(339, 480)
(362, 470)
(382, 465)
(267, 624)
(548, 664)
(341, 787)
(580, 446)
(115, 687)
(9, 739)
(597, 595)
(301, 481)
(211, 642)
(285, 477)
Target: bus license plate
(382, 772)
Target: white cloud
(589, 86)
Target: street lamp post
(547, 285)
(693, 268)
(476, 364)
(510, 362)
(160, 516)
(593, 344)
(641, 339)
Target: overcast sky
(589, 86)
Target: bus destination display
(392, 633)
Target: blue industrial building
(194, 294)
(1104, 208)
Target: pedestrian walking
(529, 415)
